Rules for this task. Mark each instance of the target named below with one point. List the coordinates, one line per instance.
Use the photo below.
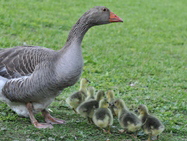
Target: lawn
(143, 59)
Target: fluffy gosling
(128, 120)
(151, 125)
(75, 99)
(103, 116)
(87, 108)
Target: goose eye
(104, 9)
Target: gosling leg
(109, 129)
(74, 110)
(90, 120)
(150, 137)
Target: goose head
(84, 82)
(91, 91)
(100, 95)
(83, 85)
(120, 104)
(110, 95)
(100, 15)
(103, 103)
(142, 109)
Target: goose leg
(135, 134)
(50, 119)
(106, 131)
(34, 121)
(109, 130)
(74, 110)
(150, 137)
(90, 120)
(157, 137)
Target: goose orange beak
(114, 18)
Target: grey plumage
(47, 71)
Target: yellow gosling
(90, 93)
(87, 108)
(151, 125)
(128, 120)
(75, 99)
(103, 117)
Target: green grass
(149, 50)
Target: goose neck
(78, 31)
(83, 89)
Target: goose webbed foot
(106, 131)
(50, 119)
(122, 131)
(33, 119)
(42, 125)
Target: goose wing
(22, 60)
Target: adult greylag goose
(32, 76)
(75, 99)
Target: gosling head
(142, 109)
(84, 83)
(119, 103)
(104, 103)
(91, 91)
(100, 95)
(110, 95)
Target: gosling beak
(88, 80)
(114, 18)
(112, 105)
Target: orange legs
(48, 118)
(34, 121)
